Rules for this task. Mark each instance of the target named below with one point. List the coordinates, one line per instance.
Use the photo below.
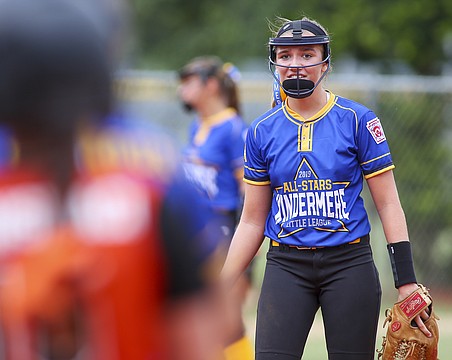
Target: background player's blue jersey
(214, 153)
(315, 168)
(6, 147)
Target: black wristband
(401, 263)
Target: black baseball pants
(342, 281)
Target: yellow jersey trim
(291, 114)
(368, 176)
(207, 123)
(377, 158)
(251, 182)
(306, 126)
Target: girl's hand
(404, 292)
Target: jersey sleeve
(236, 145)
(373, 149)
(255, 171)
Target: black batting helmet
(298, 88)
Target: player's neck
(52, 157)
(310, 105)
(211, 108)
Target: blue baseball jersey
(143, 149)
(213, 155)
(6, 147)
(315, 168)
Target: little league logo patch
(375, 128)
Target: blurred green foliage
(415, 127)
(418, 128)
(417, 33)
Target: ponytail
(229, 85)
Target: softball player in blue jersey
(213, 161)
(305, 162)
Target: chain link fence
(416, 113)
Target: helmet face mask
(298, 88)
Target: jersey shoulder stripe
(351, 105)
(269, 115)
(351, 111)
(359, 111)
(374, 159)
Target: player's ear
(212, 84)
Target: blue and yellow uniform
(213, 162)
(319, 253)
(214, 155)
(315, 168)
(306, 160)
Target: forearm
(386, 199)
(387, 202)
(244, 246)
(394, 223)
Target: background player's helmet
(298, 88)
(55, 66)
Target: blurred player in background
(99, 258)
(305, 163)
(6, 147)
(213, 161)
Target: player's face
(291, 57)
(191, 89)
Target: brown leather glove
(404, 340)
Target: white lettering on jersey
(203, 177)
(376, 130)
(327, 204)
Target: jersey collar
(292, 115)
(219, 117)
